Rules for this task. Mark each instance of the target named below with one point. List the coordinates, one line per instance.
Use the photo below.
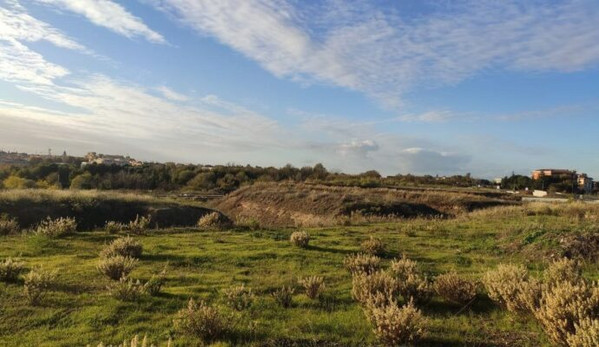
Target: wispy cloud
(110, 15)
(171, 94)
(383, 54)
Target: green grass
(79, 311)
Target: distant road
(535, 199)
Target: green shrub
(300, 239)
(201, 320)
(314, 286)
(155, 283)
(56, 227)
(139, 225)
(8, 225)
(124, 246)
(116, 267)
(397, 326)
(455, 288)
(37, 283)
(239, 297)
(373, 246)
(10, 269)
(284, 296)
(362, 263)
(126, 289)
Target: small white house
(539, 193)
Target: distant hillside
(290, 204)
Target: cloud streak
(110, 15)
(385, 54)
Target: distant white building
(110, 159)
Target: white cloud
(428, 117)
(110, 15)
(384, 54)
(171, 94)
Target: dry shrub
(116, 267)
(139, 225)
(563, 306)
(314, 286)
(10, 269)
(373, 246)
(56, 227)
(214, 220)
(8, 225)
(200, 320)
(455, 288)
(562, 270)
(505, 286)
(587, 334)
(584, 246)
(37, 283)
(124, 246)
(411, 283)
(113, 227)
(239, 297)
(284, 296)
(362, 263)
(300, 239)
(396, 326)
(135, 342)
(374, 289)
(126, 289)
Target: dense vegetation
(255, 287)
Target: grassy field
(201, 264)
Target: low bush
(139, 225)
(214, 220)
(284, 296)
(362, 263)
(124, 246)
(112, 227)
(587, 334)
(37, 283)
(454, 288)
(566, 305)
(300, 239)
(239, 297)
(374, 289)
(200, 320)
(56, 227)
(506, 286)
(314, 286)
(116, 267)
(373, 246)
(126, 289)
(8, 225)
(411, 282)
(562, 270)
(397, 326)
(10, 269)
(155, 283)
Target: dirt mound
(93, 209)
(290, 204)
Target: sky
(411, 86)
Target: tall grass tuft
(214, 220)
(139, 225)
(504, 285)
(397, 326)
(411, 282)
(300, 239)
(313, 285)
(373, 246)
(116, 267)
(455, 288)
(284, 296)
(124, 246)
(374, 289)
(362, 263)
(8, 225)
(200, 320)
(126, 289)
(240, 298)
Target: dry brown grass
(373, 246)
(374, 289)
(397, 326)
(455, 288)
(116, 267)
(10, 269)
(124, 246)
(362, 263)
(37, 283)
(313, 285)
(505, 286)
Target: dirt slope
(291, 204)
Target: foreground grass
(201, 264)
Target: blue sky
(424, 87)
